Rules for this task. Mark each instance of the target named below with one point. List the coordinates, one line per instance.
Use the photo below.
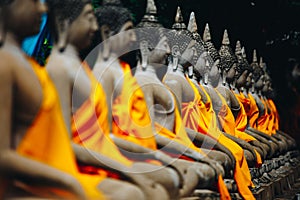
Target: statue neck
(70, 51)
(149, 70)
(221, 82)
(13, 41)
(194, 77)
(180, 70)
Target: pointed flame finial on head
(225, 40)
(178, 18)
(179, 23)
(254, 56)
(261, 61)
(151, 8)
(206, 34)
(238, 48)
(192, 27)
(244, 52)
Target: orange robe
(253, 112)
(275, 113)
(131, 119)
(47, 141)
(263, 121)
(228, 122)
(202, 118)
(90, 126)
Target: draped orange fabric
(241, 121)
(131, 119)
(253, 112)
(206, 119)
(178, 134)
(271, 120)
(190, 114)
(275, 112)
(241, 171)
(47, 141)
(90, 123)
(228, 122)
(263, 121)
(226, 117)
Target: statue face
(200, 65)
(260, 83)
(160, 52)
(231, 73)
(83, 28)
(122, 42)
(243, 79)
(23, 17)
(188, 55)
(214, 73)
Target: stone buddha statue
(208, 74)
(161, 102)
(225, 117)
(30, 115)
(82, 93)
(228, 62)
(180, 85)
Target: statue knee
(120, 190)
(223, 159)
(207, 175)
(250, 158)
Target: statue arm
(209, 143)
(235, 105)
(107, 82)
(260, 105)
(92, 158)
(175, 87)
(242, 143)
(15, 166)
(142, 152)
(62, 82)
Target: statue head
(258, 73)
(228, 60)
(20, 17)
(154, 46)
(181, 43)
(115, 20)
(267, 82)
(201, 58)
(243, 74)
(73, 21)
(214, 68)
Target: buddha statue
(225, 116)
(130, 122)
(93, 146)
(240, 87)
(211, 78)
(256, 92)
(180, 85)
(229, 64)
(36, 157)
(171, 137)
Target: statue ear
(144, 53)
(62, 31)
(105, 32)
(2, 31)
